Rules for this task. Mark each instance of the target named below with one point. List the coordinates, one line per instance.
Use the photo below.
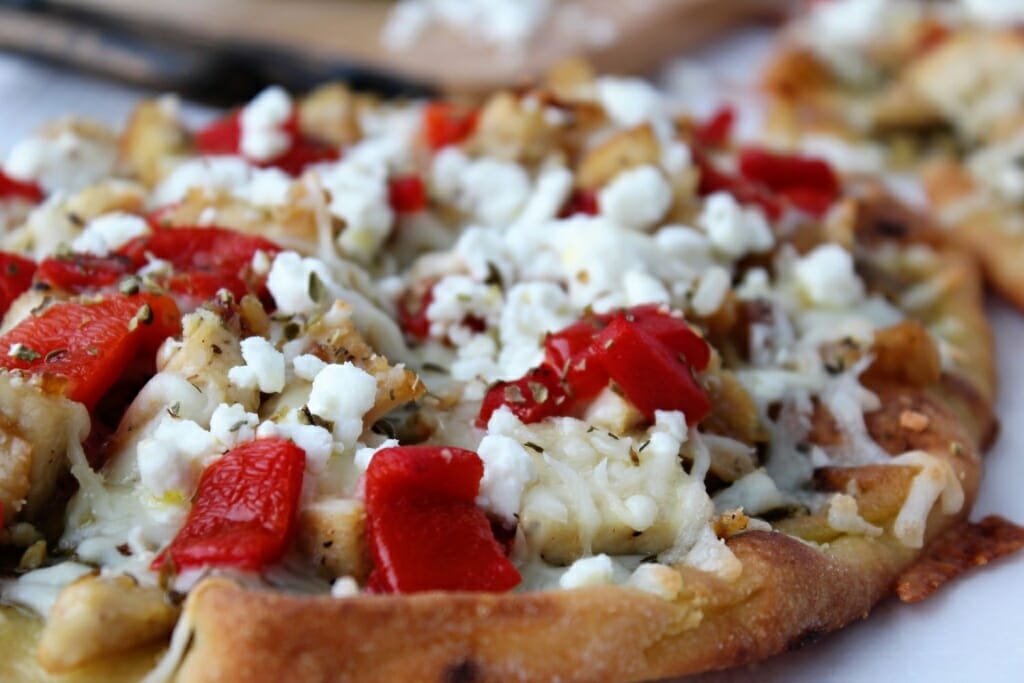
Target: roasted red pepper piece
(425, 530)
(222, 136)
(204, 259)
(243, 514)
(745, 191)
(580, 201)
(82, 272)
(19, 189)
(672, 332)
(15, 277)
(715, 131)
(571, 353)
(809, 184)
(90, 343)
(445, 123)
(407, 194)
(649, 374)
(537, 395)
(576, 367)
(412, 313)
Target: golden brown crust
(788, 592)
(961, 548)
(986, 228)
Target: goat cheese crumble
(262, 123)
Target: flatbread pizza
(557, 384)
(933, 88)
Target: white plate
(971, 630)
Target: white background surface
(972, 630)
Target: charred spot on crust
(465, 671)
(808, 637)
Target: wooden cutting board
(647, 32)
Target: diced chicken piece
(292, 224)
(507, 129)
(154, 140)
(331, 114)
(97, 617)
(621, 152)
(336, 340)
(37, 428)
(58, 221)
(332, 534)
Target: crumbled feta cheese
(493, 191)
(232, 424)
(827, 277)
(262, 123)
(264, 367)
(595, 255)
(171, 459)
(508, 468)
(109, 232)
(712, 290)
(316, 442)
(446, 172)
(532, 309)
(550, 192)
(483, 252)
(457, 298)
(630, 102)
(343, 394)
(259, 186)
(307, 366)
(848, 22)
(293, 282)
(656, 579)
(66, 162)
(260, 262)
(476, 359)
(637, 198)
(406, 22)
(639, 287)
(588, 571)
(675, 157)
(506, 24)
(669, 432)
(359, 196)
(733, 229)
(344, 587)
